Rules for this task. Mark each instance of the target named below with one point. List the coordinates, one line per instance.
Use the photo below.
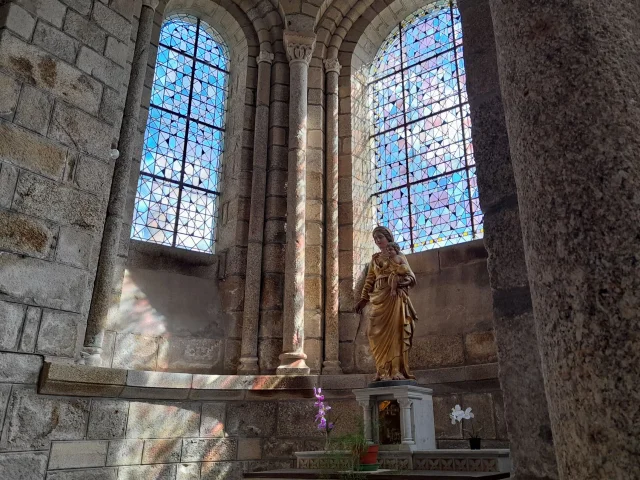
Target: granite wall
(104, 424)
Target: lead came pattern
(426, 190)
(177, 196)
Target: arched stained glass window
(177, 196)
(425, 184)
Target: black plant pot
(474, 443)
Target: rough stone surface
(36, 67)
(480, 347)
(82, 29)
(147, 472)
(436, 351)
(19, 368)
(198, 355)
(162, 451)
(135, 352)
(125, 452)
(212, 423)
(41, 198)
(56, 42)
(23, 465)
(77, 454)
(25, 150)
(163, 420)
(34, 110)
(209, 449)
(11, 318)
(27, 235)
(84, 474)
(249, 449)
(30, 330)
(9, 91)
(34, 420)
(256, 419)
(58, 333)
(108, 419)
(76, 129)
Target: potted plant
(457, 415)
(363, 456)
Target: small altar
(398, 415)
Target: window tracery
(425, 187)
(177, 194)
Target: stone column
(405, 421)
(251, 314)
(366, 418)
(102, 290)
(530, 439)
(569, 78)
(292, 360)
(331, 364)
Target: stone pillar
(530, 439)
(251, 314)
(292, 360)
(331, 364)
(569, 78)
(366, 418)
(405, 421)
(102, 290)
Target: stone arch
(355, 41)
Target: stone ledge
(82, 380)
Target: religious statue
(391, 323)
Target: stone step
(300, 474)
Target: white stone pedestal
(416, 415)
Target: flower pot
(370, 457)
(474, 443)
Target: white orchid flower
(467, 414)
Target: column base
(248, 366)
(331, 367)
(293, 364)
(91, 356)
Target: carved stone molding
(265, 56)
(332, 65)
(299, 46)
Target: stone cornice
(299, 46)
(332, 65)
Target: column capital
(264, 56)
(332, 65)
(299, 46)
(152, 4)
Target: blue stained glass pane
(209, 93)
(172, 81)
(163, 145)
(178, 188)
(204, 152)
(425, 183)
(179, 32)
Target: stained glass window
(425, 188)
(177, 197)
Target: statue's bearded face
(381, 241)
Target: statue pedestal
(398, 417)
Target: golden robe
(391, 323)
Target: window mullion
(406, 136)
(460, 105)
(186, 135)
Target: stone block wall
(212, 433)
(452, 298)
(64, 70)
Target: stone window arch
(424, 183)
(179, 184)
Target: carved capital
(364, 404)
(332, 65)
(299, 46)
(405, 402)
(152, 4)
(265, 56)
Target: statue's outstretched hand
(361, 304)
